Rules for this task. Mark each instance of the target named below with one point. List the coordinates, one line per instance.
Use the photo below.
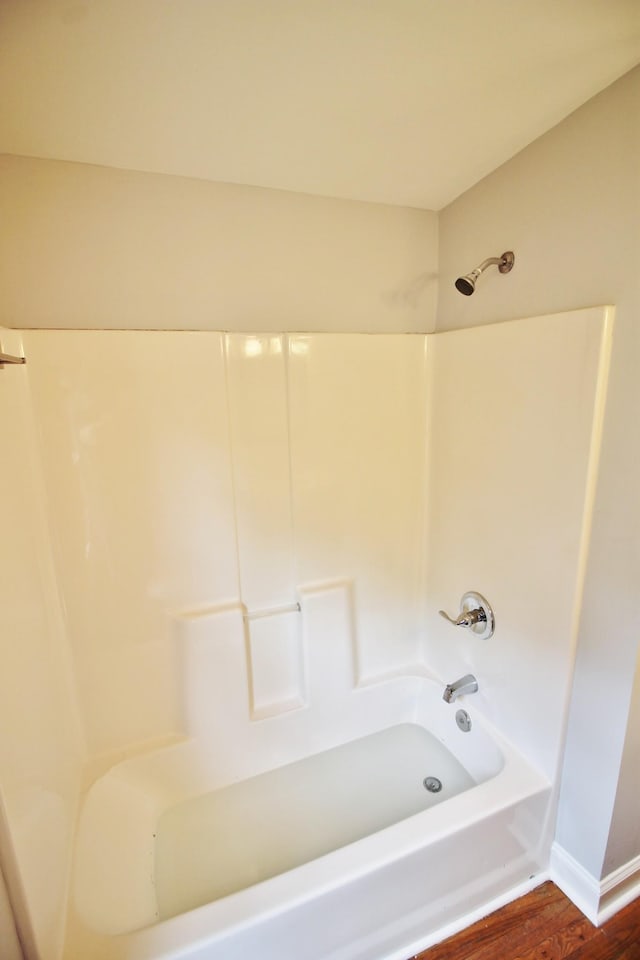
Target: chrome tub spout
(466, 684)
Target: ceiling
(405, 102)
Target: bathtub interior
(250, 540)
(116, 890)
(218, 843)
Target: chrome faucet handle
(475, 614)
(466, 619)
(444, 614)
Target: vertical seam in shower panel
(424, 502)
(224, 339)
(234, 496)
(293, 570)
(425, 558)
(293, 543)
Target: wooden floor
(544, 925)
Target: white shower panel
(189, 471)
(259, 418)
(248, 529)
(135, 446)
(260, 446)
(277, 676)
(329, 617)
(357, 408)
(41, 749)
(213, 676)
(514, 418)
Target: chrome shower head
(467, 284)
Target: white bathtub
(385, 896)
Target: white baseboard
(619, 888)
(597, 899)
(578, 884)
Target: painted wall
(569, 206)
(625, 824)
(84, 246)
(41, 749)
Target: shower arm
(489, 262)
(467, 284)
(8, 358)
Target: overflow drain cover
(463, 720)
(432, 784)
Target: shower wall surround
(515, 415)
(41, 748)
(162, 485)
(185, 470)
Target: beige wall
(625, 825)
(86, 246)
(569, 206)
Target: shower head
(467, 284)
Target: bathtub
(383, 896)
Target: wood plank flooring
(543, 925)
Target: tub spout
(466, 684)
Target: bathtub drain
(432, 784)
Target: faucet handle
(466, 619)
(444, 614)
(475, 613)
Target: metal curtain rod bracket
(7, 358)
